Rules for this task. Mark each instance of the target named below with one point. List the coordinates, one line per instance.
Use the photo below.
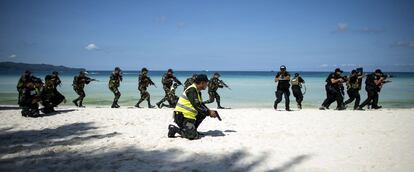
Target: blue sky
(210, 35)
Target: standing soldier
(79, 83)
(114, 83)
(213, 85)
(353, 87)
(189, 81)
(143, 82)
(167, 81)
(31, 89)
(51, 97)
(282, 78)
(297, 82)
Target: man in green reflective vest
(190, 110)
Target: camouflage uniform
(143, 82)
(27, 76)
(213, 85)
(189, 81)
(167, 81)
(79, 83)
(31, 88)
(51, 97)
(114, 82)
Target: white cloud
(404, 44)
(13, 56)
(180, 25)
(342, 27)
(161, 19)
(91, 46)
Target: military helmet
(170, 70)
(354, 71)
(283, 67)
(27, 72)
(144, 69)
(338, 70)
(117, 69)
(378, 71)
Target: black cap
(144, 69)
(354, 71)
(217, 74)
(55, 73)
(378, 71)
(296, 74)
(201, 78)
(117, 69)
(27, 72)
(283, 67)
(338, 70)
(170, 70)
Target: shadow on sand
(51, 150)
(58, 112)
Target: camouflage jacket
(214, 84)
(144, 81)
(79, 82)
(114, 80)
(167, 81)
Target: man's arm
(193, 98)
(301, 80)
(177, 81)
(277, 77)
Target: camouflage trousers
(116, 92)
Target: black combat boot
(114, 105)
(172, 130)
(139, 102)
(159, 105)
(149, 105)
(80, 104)
(75, 102)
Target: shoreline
(236, 108)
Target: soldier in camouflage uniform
(171, 97)
(51, 97)
(143, 82)
(167, 81)
(31, 88)
(213, 85)
(27, 76)
(79, 83)
(189, 81)
(114, 83)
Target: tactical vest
(295, 81)
(184, 105)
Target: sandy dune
(127, 139)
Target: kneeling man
(190, 110)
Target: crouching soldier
(190, 110)
(30, 98)
(51, 97)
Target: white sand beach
(128, 139)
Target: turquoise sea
(249, 89)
